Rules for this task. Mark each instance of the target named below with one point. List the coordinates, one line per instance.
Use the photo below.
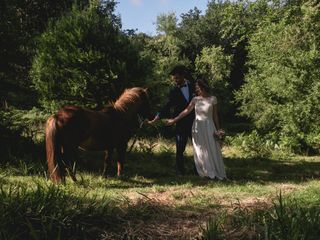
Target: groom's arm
(165, 110)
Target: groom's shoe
(180, 172)
(195, 172)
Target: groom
(178, 99)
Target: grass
(150, 202)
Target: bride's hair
(203, 84)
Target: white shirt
(185, 91)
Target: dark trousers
(181, 142)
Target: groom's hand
(169, 122)
(156, 118)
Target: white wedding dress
(206, 149)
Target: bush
(253, 144)
(282, 89)
(214, 65)
(84, 58)
(26, 123)
(313, 140)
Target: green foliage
(313, 139)
(163, 53)
(226, 25)
(213, 229)
(49, 212)
(253, 144)
(200, 43)
(290, 220)
(167, 23)
(83, 58)
(256, 144)
(149, 194)
(287, 219)
(20, 23)
(189, 33)
(215, 66)
(281, 92)
(21, 135)
(28, 123)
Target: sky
(142, 14)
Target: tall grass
(50, 212)
(286, 219)
(150, 202)
(213, 229)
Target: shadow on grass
(159, 169)
(272, 170)
(49, 212)
(143, 169)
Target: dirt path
(160, 215)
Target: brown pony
(72, 127)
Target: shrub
(253, 144)
(282, 89)
(84, 58)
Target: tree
(281, 92)
(20, 23)
(166, 23)
(84, 58)
(225, 24)
(215, 66)
(190, 34)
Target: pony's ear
(145, 90)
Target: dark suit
(177, 102)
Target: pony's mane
(126, 99)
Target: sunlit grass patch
(285, 218)
(150, 200)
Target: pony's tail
(53, 149)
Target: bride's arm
(215, 116)
(219, 132)
(184, 113)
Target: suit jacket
(178, 103)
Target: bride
(205, 131)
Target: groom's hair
(179, 69)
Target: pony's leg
(54, 151)
(61, 166)
(69, 158)
(121, 157)
(107, 169)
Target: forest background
(261, 58)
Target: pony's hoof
(108, 173)
(119, 176)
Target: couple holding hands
(196, 116)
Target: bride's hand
(221, 132)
